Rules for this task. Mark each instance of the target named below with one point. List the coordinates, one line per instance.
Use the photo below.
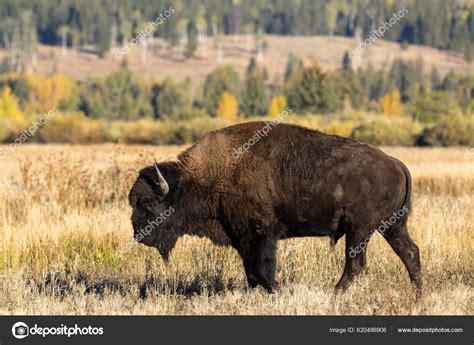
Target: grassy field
(66, 245)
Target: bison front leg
(259, 259)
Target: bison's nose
(137, 238)
(143, 238)
(137, 235)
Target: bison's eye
(146, 205)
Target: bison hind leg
(409, 253)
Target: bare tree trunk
(6, 41)
(259, 51)
(182, 42)
(214, 29)
(206, 46)
(34, 60)
(220, 54)
(63, 45)
(236, 20)
(113, 36)
(144, 52)
(203, 40)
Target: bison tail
(406, 207)
(408, 187)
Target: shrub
(309, 121)
(11, 129)
(137, 132)
(395, 131)
(162, 132)
(187, 132)
(188, 113)
(340, 127)
(71, 128)
(449, 130)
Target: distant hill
(163, 61)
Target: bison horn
(161, 181)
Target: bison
(248, 188)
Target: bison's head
(153, 198)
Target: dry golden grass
(66, 245)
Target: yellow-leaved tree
(392, 104)
(277, 105)
(228, 107)
(49, 92)
(9, 105)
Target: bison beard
(295, 182)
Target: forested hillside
(445, 24)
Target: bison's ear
(162, 184)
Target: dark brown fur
(294, 182)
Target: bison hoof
(270, 288)
(418, 293)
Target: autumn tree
(9, 105)
(47, 93)
(228, 107)
(222, 79)
(277, 105)
(392, 104)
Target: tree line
(402, 89)
(106, 24)
(402, 105)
